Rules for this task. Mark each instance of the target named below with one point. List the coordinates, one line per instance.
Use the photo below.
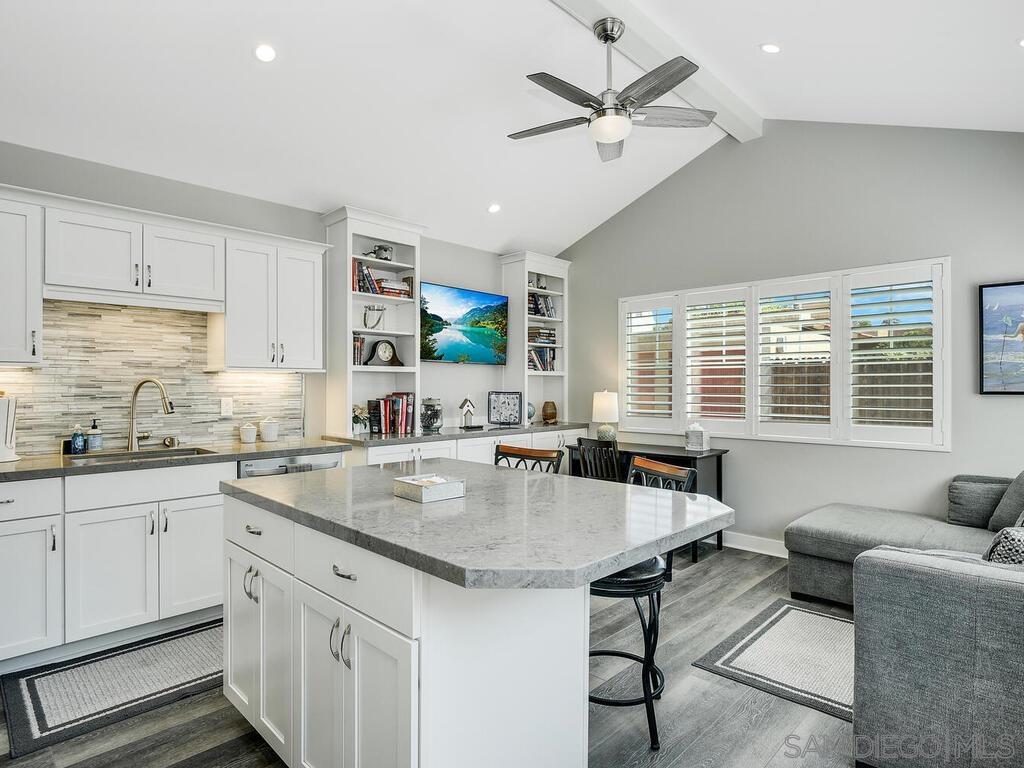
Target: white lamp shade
(609, 129)
(606, 407)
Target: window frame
(840, 430)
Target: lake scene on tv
(458, 325)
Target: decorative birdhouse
(467, 409)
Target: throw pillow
(973, 500)
(1007, 547)
(1010, 507)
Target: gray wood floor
(706, 721)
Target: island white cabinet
(84, 250)
(191, 533)
(111, 578)
(273, 314)
(184, 264)
(31, 570)
(258, 644)
(21, 290)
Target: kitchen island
(364, 629)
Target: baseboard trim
(759, 544)
(104, 642)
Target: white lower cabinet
(31, 600)
(438, 449)
(112, 567)
(191, 536)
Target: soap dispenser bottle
(77, 440)
(94, 438)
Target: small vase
(549, 412)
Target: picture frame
(505, 409)
(1001, 338)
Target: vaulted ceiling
(404, 107)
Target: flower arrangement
(360, 417)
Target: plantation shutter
(647, 349)
(716, 357)
(795, 358)
(894, 336)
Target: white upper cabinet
(274, 310)
(300, 309)
(183, 264)
(250, 307)
(88, 251)
(21, 289)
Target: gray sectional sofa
(824, 543)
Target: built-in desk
(707, 463)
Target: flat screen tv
(458, 325)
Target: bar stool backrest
(528, 458)
(657, 474)
(599, 459)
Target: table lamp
(606, 412)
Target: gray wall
(63, 175)
(805, 198)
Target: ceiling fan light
(610, 128)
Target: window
(855, 357)
(649, 364)
(716, 357)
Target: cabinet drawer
(118, 489)
(30, 498)
(263, 533)
(381, 588)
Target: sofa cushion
(974, 498)
(1007, 547)
(843, 531)
(1010, 506)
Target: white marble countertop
(513, 529)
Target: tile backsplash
(93, 355)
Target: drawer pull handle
(252, 584)
(152, 523)
(245, 587)
(341, 649)
(53, 537)
(254, 530)
(330, 640)
(6, 501)
(149, 275)
(340, 575)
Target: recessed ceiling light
(493, 208)
(771, 48)
(265, 53)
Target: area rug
(794, 651)
(57, 702)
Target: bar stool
(599, 459)
(528, 458)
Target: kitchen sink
(130, 457)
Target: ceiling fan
(613, 113)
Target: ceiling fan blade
(548, 128)
(566, 90)
(610, 151)
(657, 82)
(672, 117)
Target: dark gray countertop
(452, 433)
(513, 529)
(35, 467)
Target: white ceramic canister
(269, 429)
(247, 433)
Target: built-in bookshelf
(359, 280)
(537, 287)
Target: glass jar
(430, 414)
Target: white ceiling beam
(647, 45)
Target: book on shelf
(541, 359)
(542, 306)
(393, 414)
(358, 349)
(538, 334)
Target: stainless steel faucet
(133, 438)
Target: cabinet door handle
(254, 530)
(252, 585)
(330, 639)
(152, 523)
(245, 587)
(281, 345)
(273, 353)
(136, 275)
(340, 575)
(53, 538)
(33, 343)
(165, 521)
(149, 275)
(6, 501)
(341, 649)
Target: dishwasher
(286, 465)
